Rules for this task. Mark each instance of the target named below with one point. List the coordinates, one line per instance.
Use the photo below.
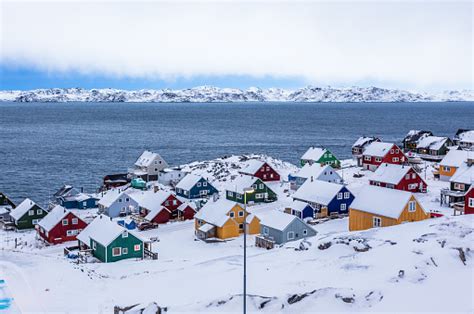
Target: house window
(31, 212)
(377, 222)
(124, 234)
(116, 251)
(259, 195)
(65, 222)
(412, 206)
(230, 193)
(305, 232)
(268, 168)
(378, 159)
(239, 196)
(391, 151)
(231, 214)
(397, 151)
(339, 196)
(407, 176)
(136, 247)
(395, 159)
(127, 199)
(265, 230)
(346, 195)
(185, 192)
(124, 251)
(241, 213)
(120, 200)
(343, 207)
(241, 226)
(175, 202)
(412, 186)
(94, 245)
(367, 158)
(75, 221)
(70, 233)
(413, 175)
(290, 235)
(39, 212)
(35, 221)
(446, 168)
(198, 184)
(167, 203)
(271, 175)
(261, 186)
(459, 186)
(471, 202)
(204, 184)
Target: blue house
(79, 201)
(325, 197)
(194, 186)
(313, 172)
(301, 210)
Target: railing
(261, 241)
(150, 254)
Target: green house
(6, 201)
(27, 214)
(261, 192)
(321, 156)
(110, 242)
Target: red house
(260, 169)
(60, 225)
(399, 177)
(469, 201)
(159, 215)
(186, 211)
(156, 199)
(380, 152)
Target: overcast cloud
(417, 45)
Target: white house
(148, 166)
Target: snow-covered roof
(464, 174)
(467, 136)
(241, 183)
(298, 205)
(432, 142)
(252, 166)
(455, 158)
(381, 201)
(22, 209)
(110, 197)
(390, 173)
(186, 204)
(5, 209)
(206, 227)
(314, 153)
(378, 149)
(364, 140)
(149, 199)
(314, 170)
(188, 182)
(146, 159)
(79, 197)
(215, 213)
(317, 191)
(155, 211)
(276, 219)
(416, 135)
(102, 230)
(53, 217)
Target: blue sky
(420, 46)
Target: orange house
(451, 162)
(377, 207)
(224, 219)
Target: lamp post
(246, 191)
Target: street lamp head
(249, 190)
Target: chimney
(156, 188)
(82, 189)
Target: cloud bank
(413, 44)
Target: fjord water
(44, 145)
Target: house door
(324, 211)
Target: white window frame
(204, 183)
(113, 251)
(395, 159)
(39, 212)
(347, 195)
(305, 231)
(137, 247)
(265, 230)
(241, 213)
(198, 184)
(261, 186)
(367, 158)
(35, 221)
(378, 159)
(231, 214)
(230, 193)
(75, 221)
(259, 196)
(343, 207)
(290, 235)
(65, 222)
(125, 234)
(124, 251)
(31, 212)
(470, 202)
(339, 195)
(412, 206)
(376, 222)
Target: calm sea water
(46, 145)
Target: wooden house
(378, 207)
(451, 162)
(193, 186)
(325, 197)
(381, 152)
(464, 138)
(27, 214)
(158, 206)
(360, 145)
(281, 228)
(313, 172)
(412, 138)
(260, 169)
(79, 201)
(320, 156)
(469, 201)
(399, 177)
(118, 202)
(148, 166)
(171, 176)
(224, 219)
(433, 148)
(60, 225)
(261, 192)
(300, 209)
(6, 205)
(459, 184)
(186, 211)
(110, 242)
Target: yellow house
(224, 219)
(382, 207)
(451, 162)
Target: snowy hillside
(215, 94)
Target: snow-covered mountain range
(216, 94)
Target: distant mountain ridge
(215, 94)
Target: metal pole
(245, 252)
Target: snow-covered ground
(425, 266)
